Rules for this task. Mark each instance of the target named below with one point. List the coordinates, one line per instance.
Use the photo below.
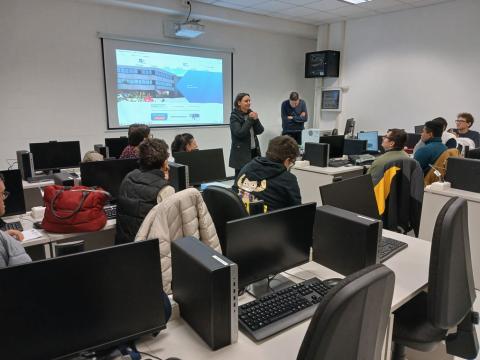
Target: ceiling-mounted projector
(189, 30)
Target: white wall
(51, 75)
(408, 67)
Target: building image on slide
(141, 83)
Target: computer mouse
(37, 225)
(332, 282)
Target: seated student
(393, 143)
(268, 178)
(139, 190)
(464, 122)
(11, 251)
(448, 138)
(184, 142)
(432, 137)
(136, 134)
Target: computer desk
(179, 340)
(433, 201)
(93, 240)
(310, 178)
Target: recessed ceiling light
(355, 1)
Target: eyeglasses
(387, 137)
(5, 195)
(460, 121)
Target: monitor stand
(265, 287)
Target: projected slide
(161, 89)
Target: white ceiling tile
(273, 6)
(243, 3)
(326, 5)
(298, 2)
(296, 11)
(399, 7)
(229, 5)
(380, 4)
(352, 11)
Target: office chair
(223, 205)
(351, 321)
(67, 248)
(424, 321)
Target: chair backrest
(68, 248)
(223, 205)
(440, 165)
(351, 321)
(451, 290)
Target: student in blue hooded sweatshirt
(269, 178)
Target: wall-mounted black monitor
(322, 64)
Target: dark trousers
(253, 155)
(296, 135)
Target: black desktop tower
(25, 164)
(317, 154)
(102, 149)
(344, 241)
(205, 286)
(324, 63)
(178, 176)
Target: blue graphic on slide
(201, 87)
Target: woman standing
(244, 128)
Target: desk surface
(179, 340)
(328, 170)
(468, 195)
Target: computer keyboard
(337, 163)
(389, 247)
(275, 312)
(111, 211)
(12, 226)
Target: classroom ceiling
(320, 11)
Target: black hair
(441, 121)
(138, 134)
(434, 127)
(399, 137)
(294, 96)
(181, 141)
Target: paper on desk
(31, 234)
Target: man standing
(464, 122)
(294, 116)
(11, 251)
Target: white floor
(439, 353)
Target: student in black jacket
(269, 178)
(244, 128)
(139, 190)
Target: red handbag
(74, 209)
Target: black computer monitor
(473, 154)
(355, 147)
(107, 174)
(418, 129)
(355, 194)
(15, 202)
(55, 155)
(116, 146)
(372, 140)
(463, 174)
(344, 241)
(203, 165)
(336, 143)
(83, 302)
(412, 140)
(267, 244)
